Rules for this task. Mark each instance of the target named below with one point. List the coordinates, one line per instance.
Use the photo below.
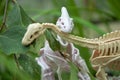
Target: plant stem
(16, 60)
(4, 17)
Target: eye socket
(62, 23)
(31, 36)
(36, 33)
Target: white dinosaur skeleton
(107, 54)
(65, 23)
(50, 60)
(106, 49)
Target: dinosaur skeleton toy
(52, 62)
(65, 24)
(106, 48)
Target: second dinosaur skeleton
(65, 24)
(106, 48)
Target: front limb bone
(101, 75)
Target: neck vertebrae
(90, 43)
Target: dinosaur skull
(65, 23)
(33, 31)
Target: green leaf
(10, 41)
(9, 69)
(30, 66)
(25, 18)
(17, 16)
(74, 71)
(2, 6)
(65, 75)
(39, 43)
(54, 44)
(114, 7)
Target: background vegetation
(93, 17)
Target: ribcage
(110, 44)
(108, 51)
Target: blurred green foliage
(17, 62)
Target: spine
(89, 43)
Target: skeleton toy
(65, 23)
(48, 56)
(51, 61)
(106, 48)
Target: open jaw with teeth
(106, 48)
